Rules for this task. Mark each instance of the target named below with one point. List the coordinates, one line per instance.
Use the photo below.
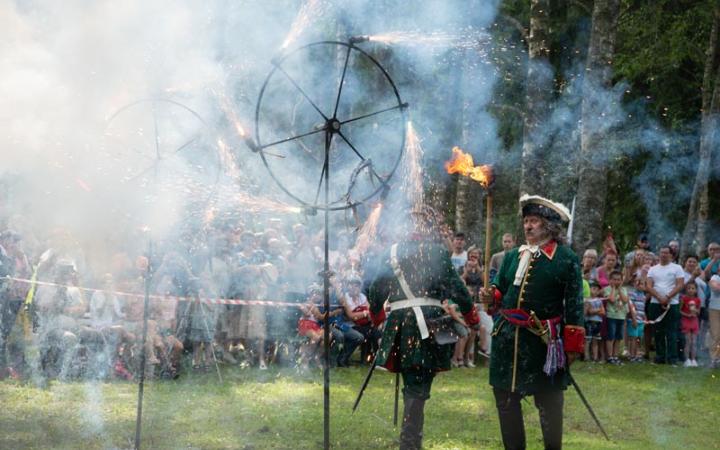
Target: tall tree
(696, 224)
(592, 171)
(538, 96)
(468, 215)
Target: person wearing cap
(539, 330)
(414, 276)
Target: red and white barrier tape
(211, 301)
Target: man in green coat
(414, 276)
(539, 330)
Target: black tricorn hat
(534, 205)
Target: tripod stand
(187, 320)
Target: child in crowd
(462, 330)
(689, 323)
(617, 310)
(636, 321)
(594, 312)
(309, 326)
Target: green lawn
(643, 406)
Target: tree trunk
(462, 193)
(592, 170)
(468, 207)
(538, 95)
(695, 234)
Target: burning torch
(463, 164)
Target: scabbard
(587, 404)
(366, 382)
(397, 398)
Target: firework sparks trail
(368, 232)
(260, 204)
(434, 39)
(229, 112)
(412, 183)
(227, 159)
(308, 12)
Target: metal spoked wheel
(330, 107)
(163, 143)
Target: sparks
(463, 164)
(413, 175)
(308, 11)
(368, 232)
(264, 204)
(228, 160)
(229, 112)
(435, 39)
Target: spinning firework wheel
(330, 106)
(161, 142)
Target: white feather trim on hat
(557, 207)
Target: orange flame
(463, 164)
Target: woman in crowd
(589, 262)
(602, 275)
(357, 310)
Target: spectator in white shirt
(665, 281)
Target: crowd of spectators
(68, 313)
(65, 315)
(648, 307)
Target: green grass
(643, 407)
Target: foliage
(660, 57)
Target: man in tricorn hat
(415, 276)
(539, 330)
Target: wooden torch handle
(488, 238)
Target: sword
(397, 398)
(585, 402)
(365, 383)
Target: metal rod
(320, 183)
(187, 144)
(587, 404)
(326, 294)
(351, 146)
(366, 381)
(141, 385)
(355, 150)
(365, 116)
(342, 80)
(397, 398)
(157, 136)
(282, 141)
(207, 330)
(297, 86)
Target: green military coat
(552, 287)
(429, 272)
